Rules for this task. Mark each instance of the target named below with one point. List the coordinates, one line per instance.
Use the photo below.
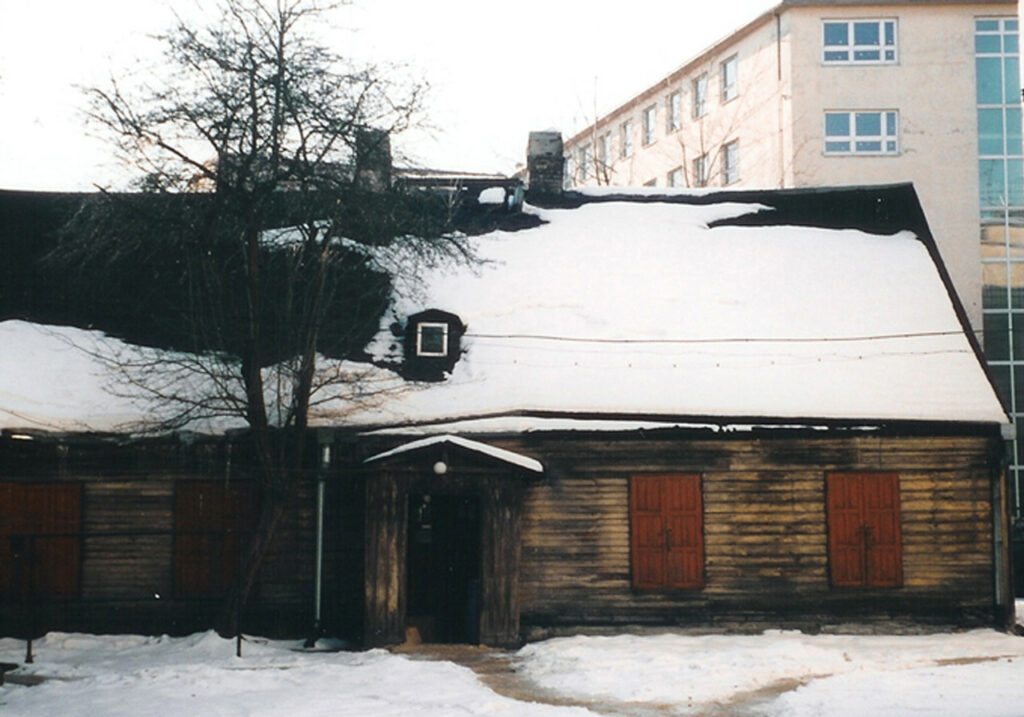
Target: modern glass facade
(1001, 193)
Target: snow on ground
(695, 671)
(199, 675)
(773, 674)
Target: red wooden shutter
(667, 531)
(40, 546)
(211, 520)
(865, 546)
(648, 546)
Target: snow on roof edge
(505, 456)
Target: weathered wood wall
(500, 491)
(127, 544)
(765, 530)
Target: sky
(496, 71)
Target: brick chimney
(544, 163)
(373, 159)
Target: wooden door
(667, 525)
(865, 544)
(40, 545)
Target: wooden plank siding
(500, 491)
(126, 578)
(765, 530)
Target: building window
(675, 177)
(673, 112)
(432, 338)
(700, 171)
(210, 520)
(604, 150)
(700, 96)
(731, 163)
(864, 544)
(40, 546)
(666, 531)
(1001, 195)
(729, 72)
(649, 118)
(585, 162)
(626, 139)
(874, 132)
(859, 41)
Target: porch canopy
(515, 459)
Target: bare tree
(256, 157)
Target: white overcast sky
(496, 69)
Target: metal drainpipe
(325, 463)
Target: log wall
(500, 491)
(126, 576)
(765, 530)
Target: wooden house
(725, 409)
(729, 409)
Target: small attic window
(431, 339)
(432, 345)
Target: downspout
(318, 565)
(1002, 555)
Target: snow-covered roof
(650, 309)
(499, 454)
(618, 313)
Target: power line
(735, 340)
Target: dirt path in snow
(497, 670)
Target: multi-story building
(839, 92)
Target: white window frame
(730, 78)
(730, 162)
(585, 162)
(419, 338)
(700, 171)
(626, 139)
(649, 119)
(888, 139)
(604, 149)
(888, 53)
(700, 95)
(673, 112)
(675, 178)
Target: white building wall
(932, 86)
(752, 119)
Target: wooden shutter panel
(882, 518)
(210, 520)
(648, 546)
(667, 531)
(865, 546)
(40, 524)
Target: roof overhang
(500, 454)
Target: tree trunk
(272, 508)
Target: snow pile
(183, 677)
(780, 674)
(943, 674)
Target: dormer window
(433, 345)
(432, 339)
